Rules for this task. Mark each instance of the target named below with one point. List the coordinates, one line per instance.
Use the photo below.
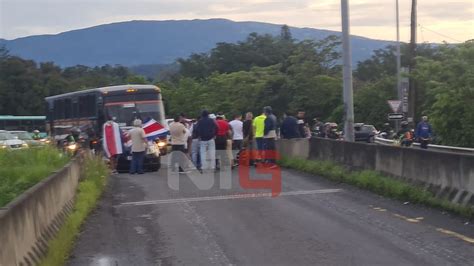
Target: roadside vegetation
(22, 169)
(280, 71)
(89, 191)
(376, 182)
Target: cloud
(369, 18)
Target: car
(9, 142)
(364, 132)
(151, 163)
(26, 137)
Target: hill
(156, 42)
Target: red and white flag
(112, 141)
(154, 130)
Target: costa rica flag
(112, 141)
(154, 130)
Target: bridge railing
(383, 141)
(447, 174)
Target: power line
(440, 34)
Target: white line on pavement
(229, 197)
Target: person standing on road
(112, 143)
(223, 134)
(179, 140)
(195, 145)
(424, 132)
(139, 145)
(248, 133)
(269, 135)
(237, 136)
(301, 124)
(289, 127)
(206, 131)
(259, 126)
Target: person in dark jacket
(269, 135)
(423, 132)
(289, 127)
(301, 124)
(206, 131)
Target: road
(142, 221)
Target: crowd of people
(211, 141)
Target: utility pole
(399, 81)
(347, 74)
(412, 94)
(399, 92)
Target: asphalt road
(142, 221)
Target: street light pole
(347, 74)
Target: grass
(376, 182)
(22, 169)
(89, 191)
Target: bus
(89, 109)
(23, 123)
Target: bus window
(125, 113)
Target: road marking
(230, 197)
(420, 219)
(463, 237)
(411, 220)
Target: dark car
(363, 132)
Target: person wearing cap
(139, 145)
(424, 132)
(206, 131)
(269, 134)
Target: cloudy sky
(439, 20)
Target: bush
(22, 169)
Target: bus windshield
(125, 113)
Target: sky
(438, 20)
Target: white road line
(229, 197)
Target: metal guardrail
(383, 141)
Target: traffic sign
(395, 116)
(394, 104)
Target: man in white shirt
(237, 136)
(179, 139)
(139, 145)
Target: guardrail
(383, 141)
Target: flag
(154, 130)
(112, 139)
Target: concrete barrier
(31, 220)
(449, 175)
(294, 147)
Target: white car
(9, 142)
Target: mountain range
(136, 43)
